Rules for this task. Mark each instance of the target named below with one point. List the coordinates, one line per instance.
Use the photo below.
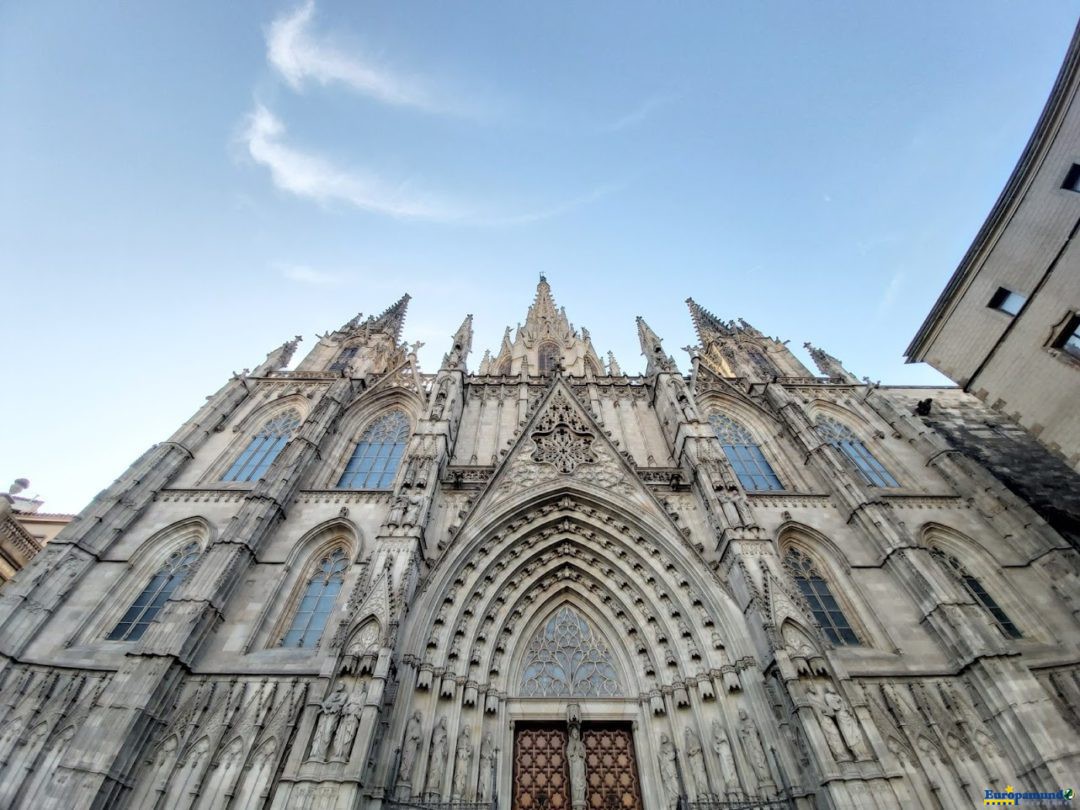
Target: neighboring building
(24, 529)
(1007, 325)
(550, 583)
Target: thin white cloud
(888, 297)
(307, 275)
(301, 57)
(638, 115)
(313, 177)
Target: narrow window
(843, 439)
(1072, 178)
(263, 448)
(375, 460)
(548, 356)
(1006, 301)
(823, 604)
(343, 359)
(754, 472)
(1069, 339)
(972, 585)
(315, 606)
(155, 594)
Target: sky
(186, 185)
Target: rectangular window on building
(1069, 339)
(1072, 178)
(1006, 301)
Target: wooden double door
(542, 774)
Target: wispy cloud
(311, 176)
(638, 114)
(307, 275)
(892, 289)
(301, 57)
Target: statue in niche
(722, 748)
(414, 506)
(462, 762)
(437, 765)
(487, 768)
(328, 718)
(397, 510)
(696, 757)
(409, 746)
(669, 772)
(752, 747)
(575, 757)
(849, 726)
(827, 720)
(347, 728)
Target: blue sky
(186, 185)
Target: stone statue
(487, 768)
(414, 506)
(409, 746)
(727, 759)
(328, 718)
(669, 772)
(575, 756)
(827, 720)
(7, 499)
(437, 766)
(461, 764)
(751, 743)
(397, 510)
(849, 726)
(347, 728)
(696, 756)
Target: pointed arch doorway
(567, 761)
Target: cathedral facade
(546, 583)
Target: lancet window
(749, 463)
(320, 594)
(156, 593)
(548, 357)
(343, 359)
(844, 439)
(252, 464)
(975, 588)
(566, 658)
(375, 460)
(815, 588)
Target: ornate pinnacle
(708, 327)
(613, 365)
(462, 345)
(655, 358)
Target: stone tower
(550, 583)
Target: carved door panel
(541, 776)
(610, 768)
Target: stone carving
(462, 763)
(565, 658)
(409, 748)
(487, 768)
(841, 729)
(347, 728)
(562, 437)
(722, 748)
(437, 763)
(696, 757)
(827, 720)
(575, 757)
(752, 747)
(669, 772)
(327, 723)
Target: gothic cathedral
(548, 584)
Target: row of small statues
(339, 720)
(461, 790)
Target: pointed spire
(655, 358)
(485, 362)
(461, 347)
(279, 357)
(707, 325)
(613, 365)
(828, 365)
(392, 319)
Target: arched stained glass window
(252, 464)
(548, 356)
(343, 359)
(754, 472)
(155, 594)
(823, 604)
(375, 460)
(844, 439)
(566, 658)
(315, 606)
(972, 585)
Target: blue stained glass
(156, 593)
(252, 464)
(315, 607)
(374, 462)
(749, 463)
(841, 437)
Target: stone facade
(1021, 356)
(547, 583)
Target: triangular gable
(406, 376)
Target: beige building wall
(1027, 245)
